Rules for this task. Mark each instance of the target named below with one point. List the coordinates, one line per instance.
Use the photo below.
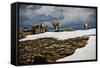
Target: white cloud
(29, 6)
(47, 10)
(76, 14)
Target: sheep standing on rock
(39, 28)
(85, 23)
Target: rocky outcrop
(47, 50)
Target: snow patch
(86, 53)
(60, 35)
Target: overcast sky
(68, 16)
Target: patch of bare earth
(47, 50)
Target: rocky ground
(47, 50)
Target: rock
(39, 59)
(47, 50)
(60, 46)
(68, 46)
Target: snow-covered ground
(60, 35)
(86, 53)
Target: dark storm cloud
(32, 7)
(32, 14)
(36, 14)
